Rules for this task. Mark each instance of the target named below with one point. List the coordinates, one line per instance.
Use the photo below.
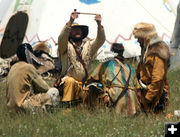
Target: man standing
(75, 53)
(153, 67)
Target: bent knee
(69, 80)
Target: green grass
(78, 123)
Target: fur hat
(84, 29)
(144, 30)
(41, 46)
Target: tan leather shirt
(23, 79)
(68, 55)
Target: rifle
(58, 81)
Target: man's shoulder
(87, 39)
(160, 49)
(110, 62)
(23, 66)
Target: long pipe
(85, 13)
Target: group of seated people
(125, 89)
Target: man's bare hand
(106, 99)
(98, 18)
(73, 16)
(138, 93)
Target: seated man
(120, 83)
(26, 90)
(75, 53)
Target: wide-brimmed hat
(144, 30)
(84, 29)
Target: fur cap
(144, 30)
(41, 46)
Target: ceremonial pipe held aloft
(85, 13)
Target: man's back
(18, 83)
(21, 79)
(114, 75)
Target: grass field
(77, 123)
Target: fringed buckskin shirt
(67, 54)
(23, 79)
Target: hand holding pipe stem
(98, 17)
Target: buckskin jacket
(23, 80)
(153, 71)
(67, 54)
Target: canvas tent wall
(48, 17)
(4, 5)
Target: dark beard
(75, 39)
